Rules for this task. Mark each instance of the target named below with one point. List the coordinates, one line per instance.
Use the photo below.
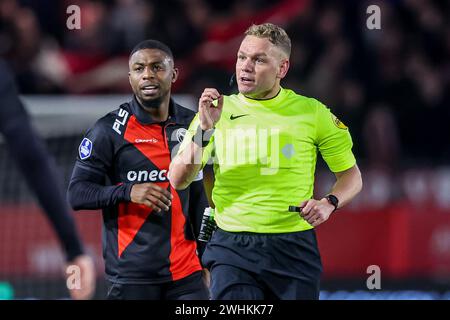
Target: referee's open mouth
(247, 81)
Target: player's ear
(174, 75)
(283, 68)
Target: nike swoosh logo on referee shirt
(233, 117)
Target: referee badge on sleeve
(85, 149)
(338, 123)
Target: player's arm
(32, 158)
(88, 188)
(87, 191)
(186, 165)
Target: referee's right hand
(209, 115)
(151, 195)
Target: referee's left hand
(316, 212)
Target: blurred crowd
(390, 86)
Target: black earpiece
(232, 80)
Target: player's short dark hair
(152, 44)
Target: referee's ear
(283, 69)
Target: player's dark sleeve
(32, 158)
(88, 187)
(87, 190)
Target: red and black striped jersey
(123, 148)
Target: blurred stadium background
(390, 86)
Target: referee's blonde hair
(274, 33)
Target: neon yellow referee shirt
(264, 154)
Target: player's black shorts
(191, 287)
(263, 266)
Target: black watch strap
(332, 199)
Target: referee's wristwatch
(333, 200)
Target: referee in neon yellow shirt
(263, 143)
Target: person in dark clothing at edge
(149, 245)
(33, 160)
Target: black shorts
(191, 287)
(263, 266)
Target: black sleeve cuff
(75, 250)
(127, 192)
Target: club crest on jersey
(180, 134)
(85, 149)
(338, 123)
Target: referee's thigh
(288, 288)
(232, 283)
(295, 271)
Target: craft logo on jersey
(152, 140)
(85, 149)
(338, 123)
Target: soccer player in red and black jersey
(149, 246)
